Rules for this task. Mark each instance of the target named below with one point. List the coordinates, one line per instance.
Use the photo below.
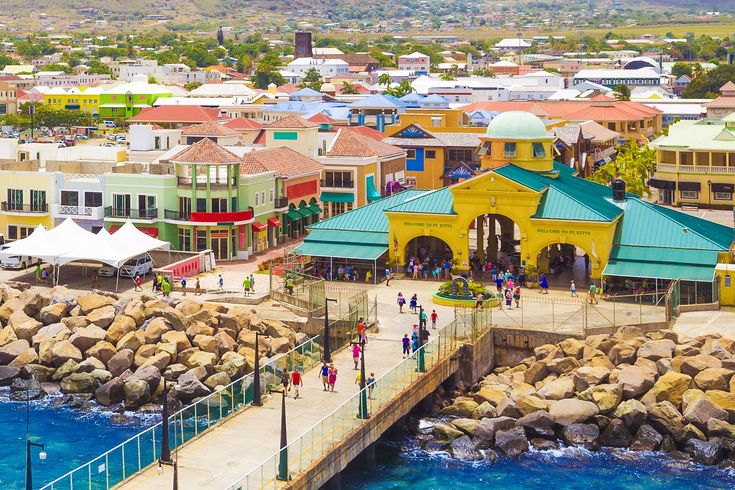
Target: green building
(126, 100)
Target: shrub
(475, 289)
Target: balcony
(17, 208)
(222, 219)
(695, 169)
(281, 203)
(77, 212)
(201, 182)
(128, 213)
(331, 184)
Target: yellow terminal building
(527, 211)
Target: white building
(532, 86)
(611, 78)
(512, 44)
(327, 68)
(416, 62)
(61, 79)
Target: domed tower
(519, 138)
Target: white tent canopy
(69, 242)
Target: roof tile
(205, 151)
(283, 161)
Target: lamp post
(257, 401)
(421, 360)
(283, 452)
(165, 438)
(32, 110)
(362, 410)
(327, 349)
(176, 459)
(709, 194)
(29, 443)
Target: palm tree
(348, 88)
(385, 80)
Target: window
(69, 198)
(723, 196)
(15, 199)
(485, 149)
(262, 198)
(538, 150)
(411, 154)
(271, 195)
(184, 239)
(201, 240)
(611, 126)
(257, 199)
(93, 199)
(509, 150)
(38, 201)
(431, 154)
(201, 205)
(121, 204)
(18, 232)
(338, 179)
(146, 203)
(219, 205)
(689, 194)
(454, 155)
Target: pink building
(416, 62)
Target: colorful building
(82, 99)
(26, 194)
(125, 100)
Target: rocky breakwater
(115, 351)
(647, 392)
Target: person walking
(361, 326)
(166, 287)
(356, 354)
(543, 285)
(517, 296)
(38, 271)
(406, 342)
(297, 381)
(289, 285)
(508, 298)
(401, 301)
(415, 339)
(371, 384)
(246, 285)
(593, 294)
(183, 284)
(220, 283)
(198, 288)
(252, 283)
(422, 318)
(332, 377)
(413, 303)
(479, 300)
(573, 289)
(138, 283)
(387, 276)
(285, 378)
(434, 316)
(324, 374)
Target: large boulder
(86, 337)
(572, 347)
(102, 350)
(159, 359)
(180, 339)
(462, 407)
(55, 331)
(207, 360)
(646, 439)
(233, 364)
(635, 380)
(487, 428)
(705, 452)
(693, 365)
(137, 393)
(724, 400)
(53, 313)
(155, 329)
(221, 379)
(121, 362)
(583, 435)
(665, 418)
(512, 442)
(28, 329)
(535, 373)
(111, 392)
(7, 335)
(587, 376)
(8, 374)
(703, 410)
(444, 432)
(64, 350)
(10, 351)
(633, 413)
(622, 353)
(143, 353)
(670, 387)
(713, 379)
(531, 403)
(176, 319)
(131, 340)
(80, 383)
(558, 389)
(562, 365)
(121, 325)
(606, 396)
(93, 301)
(720, 348)
(657, 349)
(572, 411)
(720, 428)
(616, 434)
(149, 374)
(189, 387)
(464, 449)
(537, 424)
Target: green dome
(517, 125)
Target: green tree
(348, 88)
(385, 80)
(312, 79)
(192, 85)
(56, 67)
(621, 92)
(634, 164)
(708, 83)
(483, 72)
(96, 67)
(220, 36)
(447, 75)
(403, 88)
(680, 69)
(5, 60)
(244, 63)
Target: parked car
(140, 265)
(16, 262)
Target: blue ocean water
(401, 465)
(71, 438)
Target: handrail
(87, 473)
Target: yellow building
(82, 99)
(26, 194)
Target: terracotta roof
(283, 161)
(243, 123)
(598, 132)
(205, 151)
(177, 114)
(321, 118)
(209, 128)
(721, 102)
(288, 88)
(292, 122)
(260, 139)
(252, 167)
(729, 86)
(370, 132)
(349, 143)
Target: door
(146, 205)
(121, 205)
(220, 248)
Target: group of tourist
(428, 267)
(44, 275)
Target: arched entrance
(563, 263)
(431, 253)
(496, 239)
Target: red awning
(258, 226)
(274, 222)
(150, 231)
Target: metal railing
(24, 208)
(280, 203)
(333, 428)
(176, 215)
(93, 212)
(702, 169)
(142, 450)
(128, 213)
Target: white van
(140, 265)
(16, 262)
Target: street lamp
(421, 360)
(709, 194)
(283, 452)
(362, 410)
(42, 454)
(327, 350)
(257, 401)
(165, 438)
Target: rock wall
(115, 350)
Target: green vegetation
(312, 79)
(707, 84)
(633, 165)
(476, 288)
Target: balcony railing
(128, 213)
(208, 217)
(699, 169)
(281, 202)
(349, 184)
(12, 207)
(88, 212)
(176, 215)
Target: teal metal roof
(649, 225)
(337, 197)
(439, 201)
(662, 263)
(555, 204)
(344, 244)
(366, 218)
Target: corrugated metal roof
(648, 225)
(344, 244)
(558, 205)
(439, 201)
(366, 218)
(661, 263)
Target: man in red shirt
(361, 326)
(296, 381)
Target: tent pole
(117, 281)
